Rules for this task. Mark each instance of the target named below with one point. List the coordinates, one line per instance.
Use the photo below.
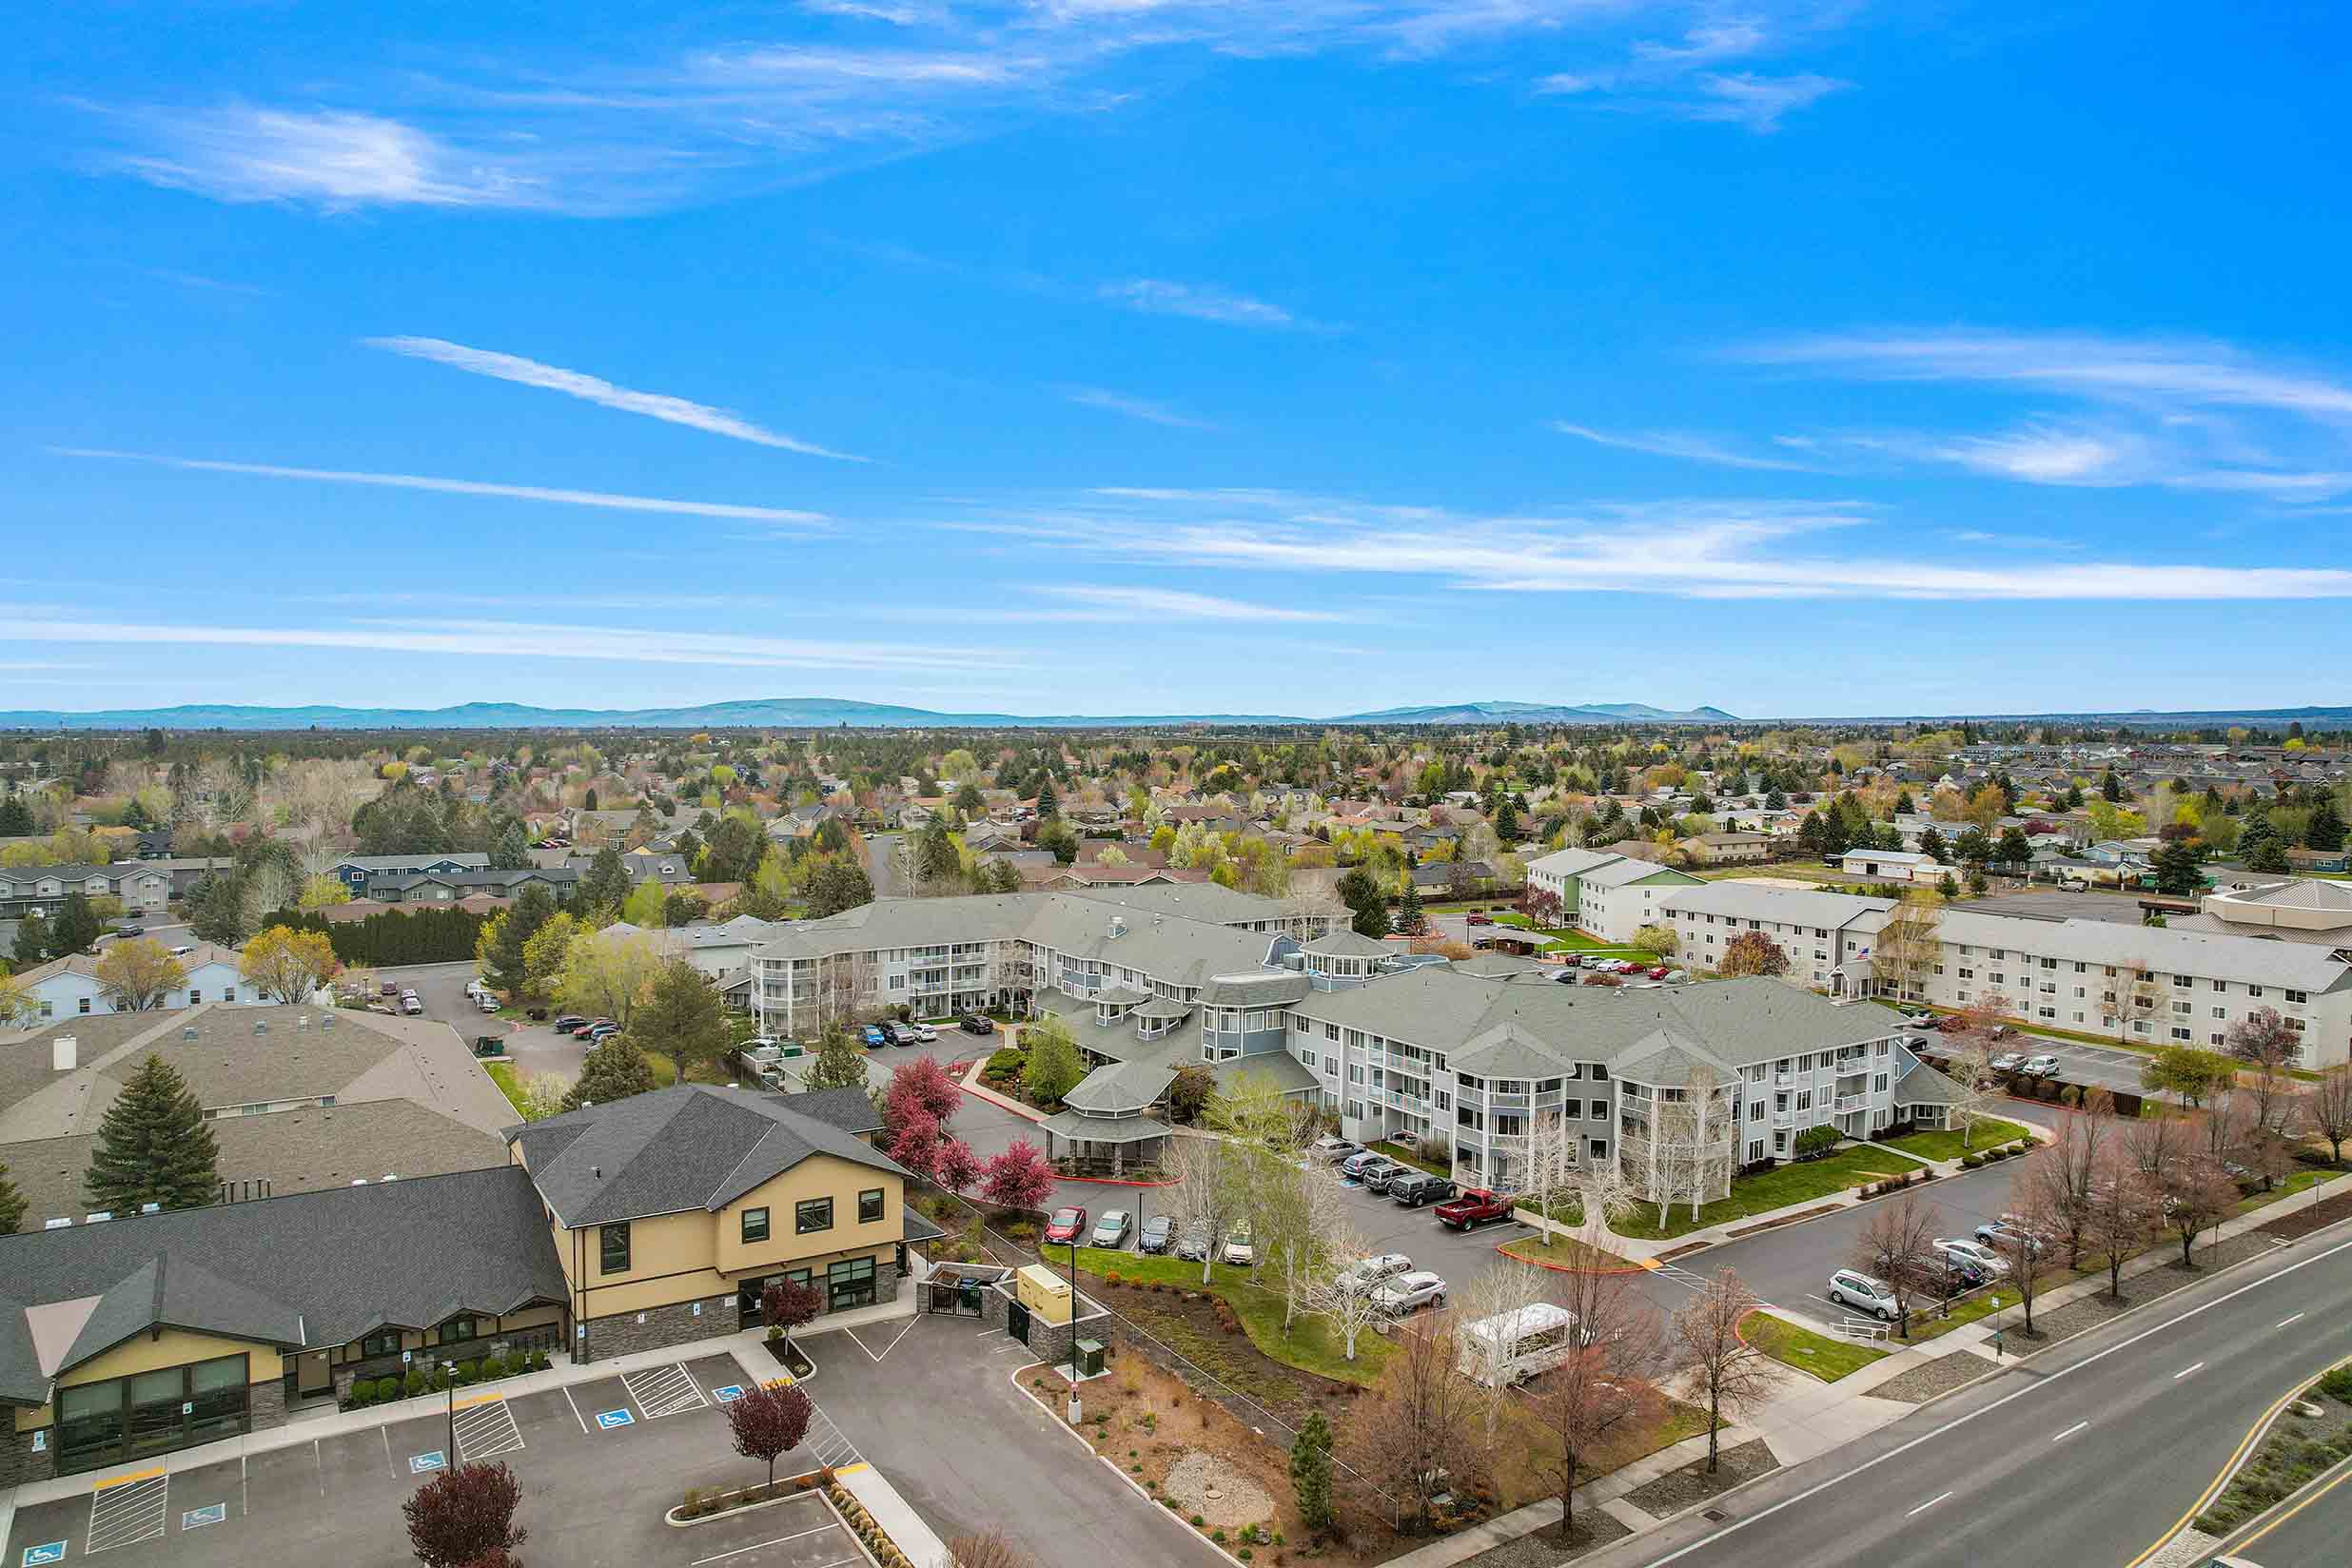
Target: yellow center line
(2341, 1476)
(2228, 1469)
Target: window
(613, 1248)
(385, 1342)
(848, 1283)
(811, 1214)
(869, 1205)
(82, 1004)
(1600, 1110)
(195, 994)
(754, 1226)
(1598, 1147)
(457, 1331)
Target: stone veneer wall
(623, 1334)
(264, 1406)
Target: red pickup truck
(1477, 1206)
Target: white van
(1513, 1347)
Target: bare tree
(1909, 944)
(2030, 1225)
(2265, 1039)
(990, 1548)
(1199, 1197)
(1892, 1247)
(1679, 1146)
(2070, 1164)
(2198, 1195)
(1731, 1375)
(1621, 1348)
(1416, 1433)
(2330, 1104)
(2155, 1145)
(1312, 1207)
(1971, 1069)
(2136, 995)
(2120, 1213)
(1346, 1302)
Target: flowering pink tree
(957, 1166)
(1019, 1178)
(920, 1087)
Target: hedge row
(423, 935)
(367, 1391)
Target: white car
(1975, 1254)
(925, 1032)
(1366, 1272)
(2040, 1067)
(1410, 1292)
(1239, 1250)
(1864, 1294)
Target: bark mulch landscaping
(1940, 1376)
(1692, 1485)
(2303, 1222)
(1544, 1549)
(2075, 1317)
(1199, 1328)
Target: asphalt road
(2084, 1455)
(2313, 1531)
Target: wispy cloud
(1207, 303)
(2181, 414)
(335, 158)
(470, 487)
(1680, 80)
(1172, 604)
(526, 640)
(1135, 409)
(574, 384)
(1677, 444)
(210, 285)
(1757, 101)
(1719, 550)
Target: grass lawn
(1310, 1345)
(1565, 1251)
(1406, 1156)
(1776, 1188)
(1937, 1144)
(1807, 870)
(2301, 1180)
(1794, 1345)
(510, 1085)
(1926, 1326)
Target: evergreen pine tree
(1411, 917)
(684, 1019)
(512, 852)
(15, 818)
(2111, 788)
(154, 1146)
(2326, 830)
(76, 929)
(606, 886)
(840, 1063)
(32, 940)
(613, 1069)
(533, 907)
(1310, 1471)
(1048, 804)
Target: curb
(1505, 1247)
(669, 1516)
(1105, 1460)
(2246, 1449)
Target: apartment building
(2145, 985)
(1609, 894)
(1822, 934)
(144, 887)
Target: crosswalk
(486, 1430)
(824, 1443)
(665, 1390)
(1680, 1275)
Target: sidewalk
(971, 1085)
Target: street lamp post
(450, 1370)
(1074, 1329)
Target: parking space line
(667, 1390)
(576, 1415)
(129, 1510)
(798, 1535)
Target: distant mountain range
(798, 713)
(812, 713)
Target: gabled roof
(1923, 1086)
(1117, 1087)
(690, 1146)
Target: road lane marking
(1929, 1503)
(2064, 1372)
(2187, 1370)
(2341, 1477)
(2283, 1321)
(2069, 1432)
(2246, 1446)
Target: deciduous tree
(1730, 1375)
(2186, 1072)
(1753, 953)
(1053, 1068)
(2120, 1213)
(138, 974)
(684, 1018)
(790, 1304)
(2330, 1104)
(154, 1146)
(608, 974)
(464, 1517)
(1018, 1178)
(288, 966)
(1890, 1246)
(1415, 1433)
(2198, 1195)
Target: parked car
(2040, 1067)
(1999, 1031)
(412, 1005)
(568, 1023)
(1414, 1188)
(2009, 1061)
(1864, 1294)
(1366, 1272)
(1941, 1273)
(487, 1002)
(1481, 920)
(976, 1023)
(1681, 977)
(1951, 1024)
(1409, 1292)
(1193, 1244)
(1352, 1165)
(1331, 1147)
(1975, 1254)
(902, 1034)
(923, 1032)
(1239, 1250)
(1111, 1230)
(1376, 1174)
(1919, 1016)
(130, 930)
(1474, 1206)
(2006, 1232)
(1659, 971)
(390, 987)
(1158, 1232)
(875, 1037)
(600, 1031)
(1065, 1225)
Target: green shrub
(387, 1389)
(416, 1382)
(1814, 1142)
(1971, 1161)
(440, 1379)
(493, 1367)
(362, 1392)
(2337, 1385)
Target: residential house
(143, 886)
(357, 871)
(69, 987)
(1892, 865)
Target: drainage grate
(1715, 1516)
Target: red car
(1660, 972)
(1482, 920)
(1067, 1226)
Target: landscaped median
(1793, 1344)
(1564, 1254)
(1942, 1143)
(1783, 1186)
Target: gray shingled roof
(690, 1146)
(1105, 1129)
(1119, 1086)
(1923, 1086)
(21, 1379)
(1346, 942)
(321, 1268)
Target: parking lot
(598, 1462)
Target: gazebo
(1106, 1119)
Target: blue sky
(1153, 356)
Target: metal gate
(958, 1297)
(1017, 1320)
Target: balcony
(1505, 1102)
(1783, 1120)
(1846, 1103)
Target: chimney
(64, 1054)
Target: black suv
(976, 1023)
(1415, 1187)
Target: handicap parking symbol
(610, 1419)
(210, 1513)
(728, 1395)
(420, 1464)
(52, 1552)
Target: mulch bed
(1692, 1485)
(1594, 1529)
(1940, 1376)
(2072, 1319)
(1189, 1324)
(2303, 1222)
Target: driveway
(934, 1407)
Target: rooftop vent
(189, 1033)
(359, 1181)
(326, 1021)
(56, 1224)
(260, 1026)
(64, 1054)
(304, 1022)
(101, 1214)
(151, 1209)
